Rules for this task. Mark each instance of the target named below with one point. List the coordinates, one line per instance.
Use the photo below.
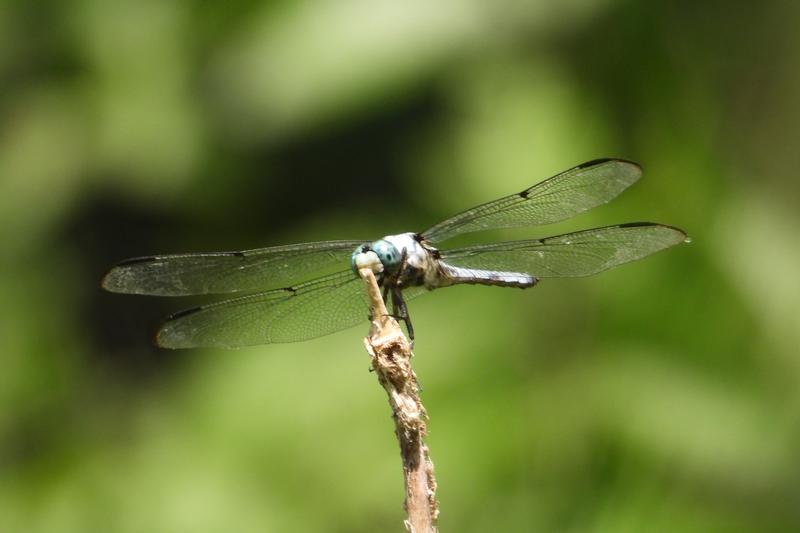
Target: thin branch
(391, 359)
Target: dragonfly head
(380, 256)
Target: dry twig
(391, 359)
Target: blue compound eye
(387, 253)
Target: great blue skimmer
(405, 265)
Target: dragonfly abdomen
(473, 276)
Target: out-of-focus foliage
(662, 396)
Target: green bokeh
(661, 396)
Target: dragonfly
(275, 305)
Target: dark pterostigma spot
(524, 194)
(184, 312)
(600, 161)
(593, 162)
(640, 224)
(136, 260)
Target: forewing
(227, 272)
(560, 197)
(582, 253)
(312, 309)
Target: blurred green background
(661, 396)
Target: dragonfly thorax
(402, 258)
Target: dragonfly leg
(401, 312)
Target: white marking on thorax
(417, 257)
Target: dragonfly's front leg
(399, 309)
(385, 295)
(400, 312)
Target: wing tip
(684, 237)
(166, 344)
(165, 336)
(111, 280)
(114, 279)
(161, 342)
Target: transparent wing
(582, 253)
(226, 272)
(312, 309)
(305, 311)
(560, 197)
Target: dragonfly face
(275, 308)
